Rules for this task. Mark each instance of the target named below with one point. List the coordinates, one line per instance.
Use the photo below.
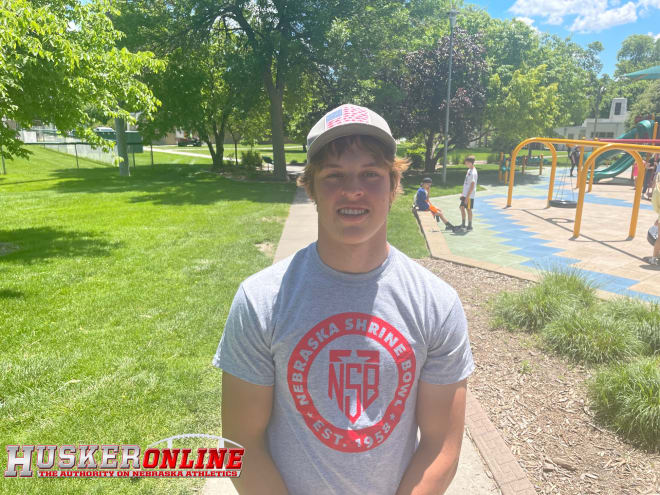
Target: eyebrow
(371, 164)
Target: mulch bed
(538, 402)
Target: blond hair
(336, 148)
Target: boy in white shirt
(469, 188)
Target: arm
(246, 411)
(441, 417)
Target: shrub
(626, 397)
(589, 336)
(643, 318)
(534, 307)
(416, 160)
(493, 158)
(250, 159)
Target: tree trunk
(210, 146)
(122, 147)
(219, 135)
(429, 162)
(277, 128)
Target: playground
(602, 233)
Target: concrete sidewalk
(474, 476)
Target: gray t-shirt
(345, 353)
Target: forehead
(354, 155)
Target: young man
(333, 357)
(424, 204)
(469, 188)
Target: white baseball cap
(348, 120)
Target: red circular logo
(353, 378)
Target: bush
(643, 318)
(416, 161)
(493, 158)
(457, 158)
(589, 336)
(533, 308)
(626, 397)
(250, 159)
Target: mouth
(352, 212)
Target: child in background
(469, 188)
(423, 204)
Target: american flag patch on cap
(347, 114)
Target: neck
(353, 258)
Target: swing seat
(652, 235)
(563, 203)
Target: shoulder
(422, 277)
(264, 285)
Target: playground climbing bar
(586, 171)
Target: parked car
(189, 141)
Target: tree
(637, 52)
(281, 35)
(647, 105)
(203, 85)
(59, 64)
(423, 87)
(526, 108)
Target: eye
(371, 173)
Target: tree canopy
(59, 64)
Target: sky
(584, 21)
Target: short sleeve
(244, 349)
(449, 357)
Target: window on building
(617, 108)
(570, 135)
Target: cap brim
(349, 130)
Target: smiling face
(353, 195)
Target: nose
(353, 186)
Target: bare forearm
(430, 471)
(259, 474)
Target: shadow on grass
(46, 242)
(171, 185)
(455, 177)
(10, 294)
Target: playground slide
(643, 130)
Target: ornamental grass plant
(534, 307)
(590, 336)
(642, 317)
(626, 397)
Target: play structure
(645, 132)
(585, 173)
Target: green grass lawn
(113, 302)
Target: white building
(612, 127)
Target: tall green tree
(637, 52)
(525, 108)
(281, 36)
(647, 105)
(423, 85)
(59, 63)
